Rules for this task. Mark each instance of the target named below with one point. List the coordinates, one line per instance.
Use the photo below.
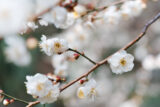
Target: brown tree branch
(124, 48)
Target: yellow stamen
(39, 86)
(80, 94)
(123, 62)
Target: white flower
(121, 62)
(59, 45)
(16, 51)
(38, 85)
(52, 95)
(41, 87)
(13, 15)
(88, 91)
(55, 45)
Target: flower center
(57, 45)
(39, 86)
(123, 62)
(81, 94)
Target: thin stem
(82, 54)
(124, 48)
(16, 99)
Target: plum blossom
(54, 45)
(121, 62)
(39, 86)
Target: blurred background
(138, 88)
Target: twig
(16, 99)
(82, 54)
(124, 48)
(31, 104)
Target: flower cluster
(39, 86)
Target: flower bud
(58, 78)
(81, 81)
(76, 56)
(31, 43)
(11, 101)
(6, 102)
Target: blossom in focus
(59, 45)
(38, 85)
(41, 87)
(121, 62)
(13, 15)
(16, 51)
(54, 45)
(88, 90)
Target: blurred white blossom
(16, 51)
(13, 15)
(112, 15)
